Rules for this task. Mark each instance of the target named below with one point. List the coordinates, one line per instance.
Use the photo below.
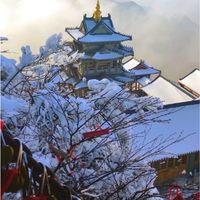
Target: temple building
(103, 55)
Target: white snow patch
(184, 122)
(131, 64)
(8, 66)
(192, 81)
(75, 33)
(27, 57)
(166, 91)
(144, 81)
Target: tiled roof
(89, 23)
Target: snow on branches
(106, 166)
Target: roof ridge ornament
(97, 12)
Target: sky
(165, 33)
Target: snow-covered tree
(108, 163)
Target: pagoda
(103, 52)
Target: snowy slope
(192, 80)
(166, 91)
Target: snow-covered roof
(123, 50)
(192, 81)
(131, 64)
(75, 33)
(81, 84)
(115, 37)
(109, 53)
(101, 31)
(89, 22)
(142, 72)
(144, 81)
(123, 79)
(71, 81)
(106, 56)
(115, 81)
(139, 68)
(166, 91)
(177, 114)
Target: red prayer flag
(178, 197)
(97, 133)
(59, 157)
(10, 174)
(175, 189)
(196, 196)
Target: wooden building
(169, 170)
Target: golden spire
(97, 12)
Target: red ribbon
(178, 197)
(69, 155)
(175, 189)
(59, 157)
(71, 151)
(97, 133)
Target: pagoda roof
(139, 68)
(107, 55)
(191, 82)
(75, 33)
(142, 72)
(94, 38)
(144, 81)
(168, 92)
(115, 81)
(94, 32)
(130, 64)
(89, 23)
(123, 79)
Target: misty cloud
(163, 34)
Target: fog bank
(165, 33)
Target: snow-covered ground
(184, 121)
